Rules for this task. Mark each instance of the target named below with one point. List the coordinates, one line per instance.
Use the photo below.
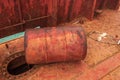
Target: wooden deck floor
(101, 63)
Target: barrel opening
(18, 66)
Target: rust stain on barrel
(55, 44)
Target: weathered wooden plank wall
(76, 9)
(17, 15)
(63, 10)
(111, 4)
(88, 8)
(9, 15)
(70, 9)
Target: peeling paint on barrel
(56, 44)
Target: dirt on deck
(107, 22)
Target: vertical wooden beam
(88, 8)
(64, 10)
(76, 9)
(52, 11)
(113, 4)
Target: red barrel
(55, 44)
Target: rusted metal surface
(64, 71)
(76, 9)
(101, 63)
(11, 67)
(63, 10)
(113, 4)
(67, 71)
(88, 8)
(100, 4)
(9, 15)
(18, 15)
(55, 45)
(71, 9)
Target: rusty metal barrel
(55, 44)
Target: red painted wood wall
(17, 15)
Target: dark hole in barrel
(18, 66)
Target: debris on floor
(101, 63)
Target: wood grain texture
(18, 15)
